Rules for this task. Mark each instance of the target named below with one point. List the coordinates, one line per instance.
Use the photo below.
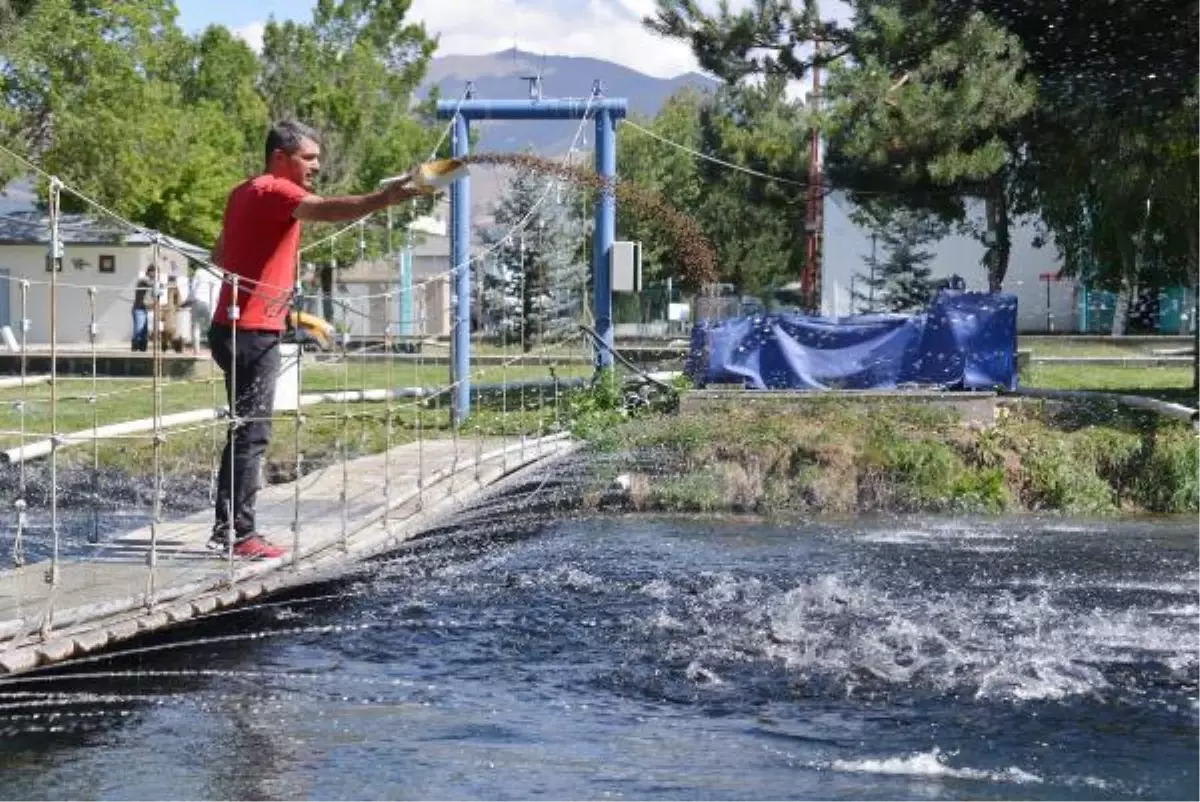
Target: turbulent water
(663, 658)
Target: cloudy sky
(607, 29)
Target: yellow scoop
(435, 175)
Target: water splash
(930, 764)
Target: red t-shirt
(261, 242)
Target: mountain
(498, 76)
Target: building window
(108, 263)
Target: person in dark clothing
(141, 316)
(258, 247)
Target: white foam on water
(1175, 588)
(1190, 611)
(930, 764)
(973, 549)
(658, 589)
(943, 534)
(1067, 529)
(900, 538)
(999, 644)
(701, 675)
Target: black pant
(257, 368)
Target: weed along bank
(833, 456)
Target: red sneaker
(255, 548)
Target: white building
(100, 268)
(847, 247)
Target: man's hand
(402, 189)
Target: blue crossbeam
(552, 109)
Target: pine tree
(872, 282)
(899, 281)
(534, 282)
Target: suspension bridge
(370, 446)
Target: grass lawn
(1166, 383)
(130, 399)
(327, 431)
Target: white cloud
(605, 29)
(599, 30)
(252, 34)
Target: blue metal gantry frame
(606, 112)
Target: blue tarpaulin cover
(963, 341)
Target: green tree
(534, 281)
(92, 92)
(928, 116)
(352, 73)
(1120, 203)
(920, 108)
(898, 280)
(668, 171)
(222, 70)
(757, 223)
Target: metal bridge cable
(159, 333)
(227, 460)
(418, 365)
(521, 323)
(215, 461)
(18, 551)
(54, 259)
(297, 435)
(345, 494)
(93, 330)
(478, 410)
(515, 229)
(525, 221)
(504, 324)
(826, 190)
(226, 279)
(387, 446)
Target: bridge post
(602, 241)
(460, 255)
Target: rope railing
(336, 417)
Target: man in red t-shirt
(258, 248)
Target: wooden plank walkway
(113, 594)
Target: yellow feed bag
(315, 327)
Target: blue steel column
(407, 325)
(606, 232)
(460, 250)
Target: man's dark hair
(286, 135)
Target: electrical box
(626, 266)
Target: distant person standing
(259, 244)
(141, 318)
(169, 309)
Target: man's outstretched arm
(352, 207)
